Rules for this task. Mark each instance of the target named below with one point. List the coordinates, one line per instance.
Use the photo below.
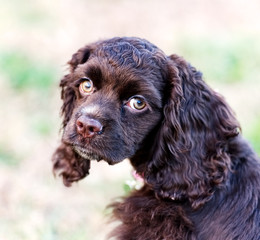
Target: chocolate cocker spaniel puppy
(124, 98)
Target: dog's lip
(87, 154)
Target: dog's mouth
(86, 154)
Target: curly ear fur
(66, 162)
(190, 156)
(69, 165)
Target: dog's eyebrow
(94, 73)
(133, 88)
(129, 89)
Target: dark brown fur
(201, 179)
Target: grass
(8, 157)
(226, 61)
(254, 135)
(42, 124)
(23, 72)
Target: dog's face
(118, 98)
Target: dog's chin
(91, 155)
(86, 154)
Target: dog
(124, 98)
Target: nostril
(88, 127)
(79, 124)
(94, 126)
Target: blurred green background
(38, 37)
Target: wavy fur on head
(201, 179)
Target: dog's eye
(86, 87)
(137, 103)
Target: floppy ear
(80, 57)
(69, 165)
(66, 162)
(190, 156)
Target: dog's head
(124, 98)
(113, 98)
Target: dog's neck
(173, 196)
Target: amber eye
(137, 103)
(86, 86)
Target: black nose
(88, 127)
